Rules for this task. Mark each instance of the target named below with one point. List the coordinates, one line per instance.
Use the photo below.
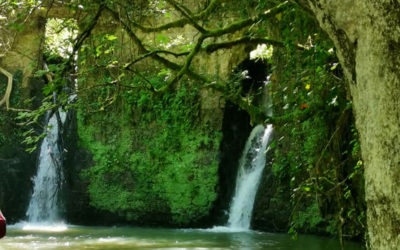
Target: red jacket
(2, 225)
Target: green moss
(153, 158)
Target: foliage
(312, 157)
(12, 15)
(162, 165)
(151, 156)
(60, 35)
(308, 221)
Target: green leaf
(98, 50)
(111, 37)
(334, 66)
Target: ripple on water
(77, 238)
(37, 227)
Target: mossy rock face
(235, 129)
(16, 165)
(272, 206)
(16, 169)
(154, 162)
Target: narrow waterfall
(248, 178)
(44, 204)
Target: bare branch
(6, 97)
(19, 110)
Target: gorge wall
(18, 166)
(144, 158)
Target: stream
(79, 237)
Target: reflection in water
(245, 240)
(76, 237)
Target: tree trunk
(366, 34)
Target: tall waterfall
(44, 204)
(250, 170)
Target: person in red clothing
(2, 225)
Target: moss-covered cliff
(16, 165)
(155, 162)
(158, 143)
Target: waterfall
(248, 178)
(44, 204)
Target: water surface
(78, 237)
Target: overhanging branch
(86, 33)
(151, 53)
(210, 48)
(255, 112)
(186, 15)
(247, 22)
(180, 22)
(184, 69)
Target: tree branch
(188, 17)
(86, 33)
(210, 48)
(140, 45)
(184, 69)
(256, 114)
(247, 22)
(151, 53)
(180, 22)
(7, 94)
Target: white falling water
(250, 170)
(43, 206)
